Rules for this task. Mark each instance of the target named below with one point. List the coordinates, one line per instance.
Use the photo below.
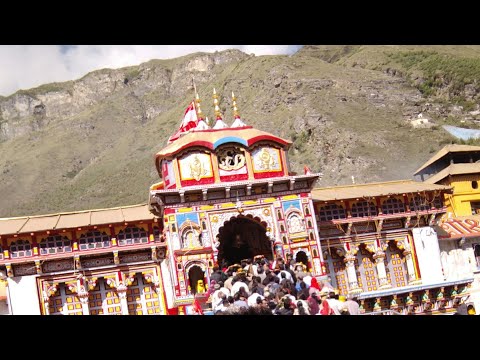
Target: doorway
(303, 258)
(240, 238)
(194, 275)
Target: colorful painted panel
(182, 217)
(232, 163)
(335, 269)
(266, 159)
(291, 204)
(142, 298)
(168, 174)
(395, 266)
(195, 167)
(366, 271)
(103, 300)
(64, 302)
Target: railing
(383, 312)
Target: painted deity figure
(200, 287)
(196, 168)
(192, 240)
(295, 224)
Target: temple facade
(225, 194)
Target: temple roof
(212, 139)
(373, 189)
(77, 219)
(454, 169)
(452, 148)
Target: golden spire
(218, 115)
(236, 115)
(197, 102)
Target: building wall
(464, 192)
(428, 255)
(23, 295)
(458, 262)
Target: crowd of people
(283, 287)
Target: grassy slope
(103, 156)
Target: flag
(307, 170)
(189, 121)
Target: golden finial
(218, 115)
(199, 111)
(236, 115)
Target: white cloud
(27, 66)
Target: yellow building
(457, 166)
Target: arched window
(94, 240)
(55, 244)
(132, 235)
(279, 214)
(282, 228)
(364, 209)
(331, 212)
(419, 203)
(284, 240)
(307, 210)
(393, 206)
(20, 248)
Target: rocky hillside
(89, 143)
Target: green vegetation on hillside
(441, 70)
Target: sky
(27, 66)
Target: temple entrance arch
(195, 273)
(242, 237)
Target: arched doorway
(242, 237)
(195, 273)
(303, 258)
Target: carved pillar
(407, 252)
(120, 283)
(38, 267)
(47, 292)
(78, 287)
(349, 260)
(379, 257)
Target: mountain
(89, 143)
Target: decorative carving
(231, 158)
(9, 270)
(116, 259)
(349, 229)
(78, 264)
(49, 290)
(91, 283)
(38, 267)
(24, 269)
(370, 248)
(90, 263)
(59, 265)
(136, 257)
(377, 306)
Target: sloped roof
(454, 169)
(452, 148)
(458, 227)
(373, 189)
(29, 224)
(211, 139)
